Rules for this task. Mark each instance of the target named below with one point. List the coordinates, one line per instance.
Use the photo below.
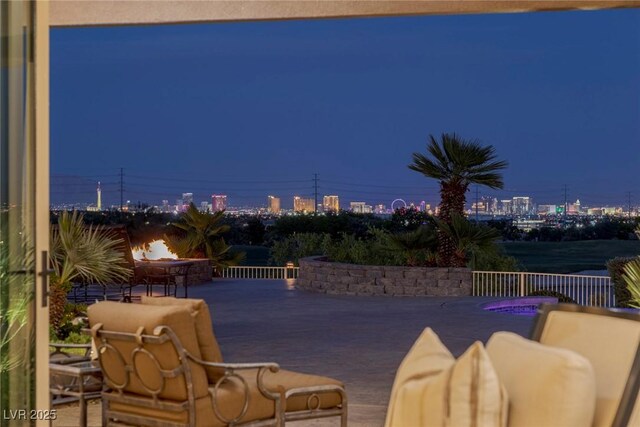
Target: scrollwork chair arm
(230, 374)
(273, 367)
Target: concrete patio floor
(359, 340)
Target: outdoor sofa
(581, 368)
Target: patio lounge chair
(162, 366)
(610, 340)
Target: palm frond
(469, 238)
(454, 159)
(631, 277)
(85, 253)
(201, 236)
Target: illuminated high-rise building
(380, 209)
(165, 206)
(574, 208)
(204, 207)
(507, 206)
(274, 205)
(99, 201)
(303, 205)
(331, 203)
(521, 205)
(360, 207)
(218, 202)
(187, 199)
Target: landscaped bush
(299, 245)
(346, 248)
(415, 248)
(616, 270)
(376, 250)
(496, 261)
(71, 324)
(549, 293)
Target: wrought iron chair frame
(163, 334)
(632, 387)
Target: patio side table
(165, 273)
(85, 384)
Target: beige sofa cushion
(209, 348)
(121, 317)
(547, 386)
(611, 362)
(432, 389)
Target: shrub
(347, 248)
(496, 261)
(298, 246)
(616, 270)
(72, 322)
(549, 293)
(375, 250)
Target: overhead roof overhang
(74, 13)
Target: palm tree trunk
(57, 302)
(452, 200)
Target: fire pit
(156, 255)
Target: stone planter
(200, 272)
(318, 275)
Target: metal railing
(259, 272)
(585, 290)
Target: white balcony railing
(585, 290)
(259, 272)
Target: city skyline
(256, 108)
(517, 205)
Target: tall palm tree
(457, 163)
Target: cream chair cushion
(547, 386)
(130, 318)
(209, 348)
(432, 389)
(611, 361)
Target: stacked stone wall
(318, 275)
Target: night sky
(251, 109)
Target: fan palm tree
(418, 246)
(631, 277)
(457, 163)
(468, 239)
(18, 293)
(200, 236)
(81, 253)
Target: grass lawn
(569, 257)
(256, 255)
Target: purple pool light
(525, 306)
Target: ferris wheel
(396, 204)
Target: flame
(157, 250)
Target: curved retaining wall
(318, 275)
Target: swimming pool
(526, 306)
